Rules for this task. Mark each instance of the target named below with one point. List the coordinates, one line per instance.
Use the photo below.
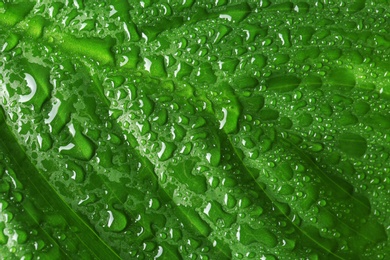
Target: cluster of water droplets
(252, 130)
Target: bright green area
(194, 129)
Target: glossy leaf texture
(194, 129)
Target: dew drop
(166, 151)
(116, 220)
(32, 85)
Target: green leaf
(194, 130)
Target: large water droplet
(32, 85)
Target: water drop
(32, 85)
(166, 151)
(352, 144)
(116, 220)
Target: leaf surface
(170, 129)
